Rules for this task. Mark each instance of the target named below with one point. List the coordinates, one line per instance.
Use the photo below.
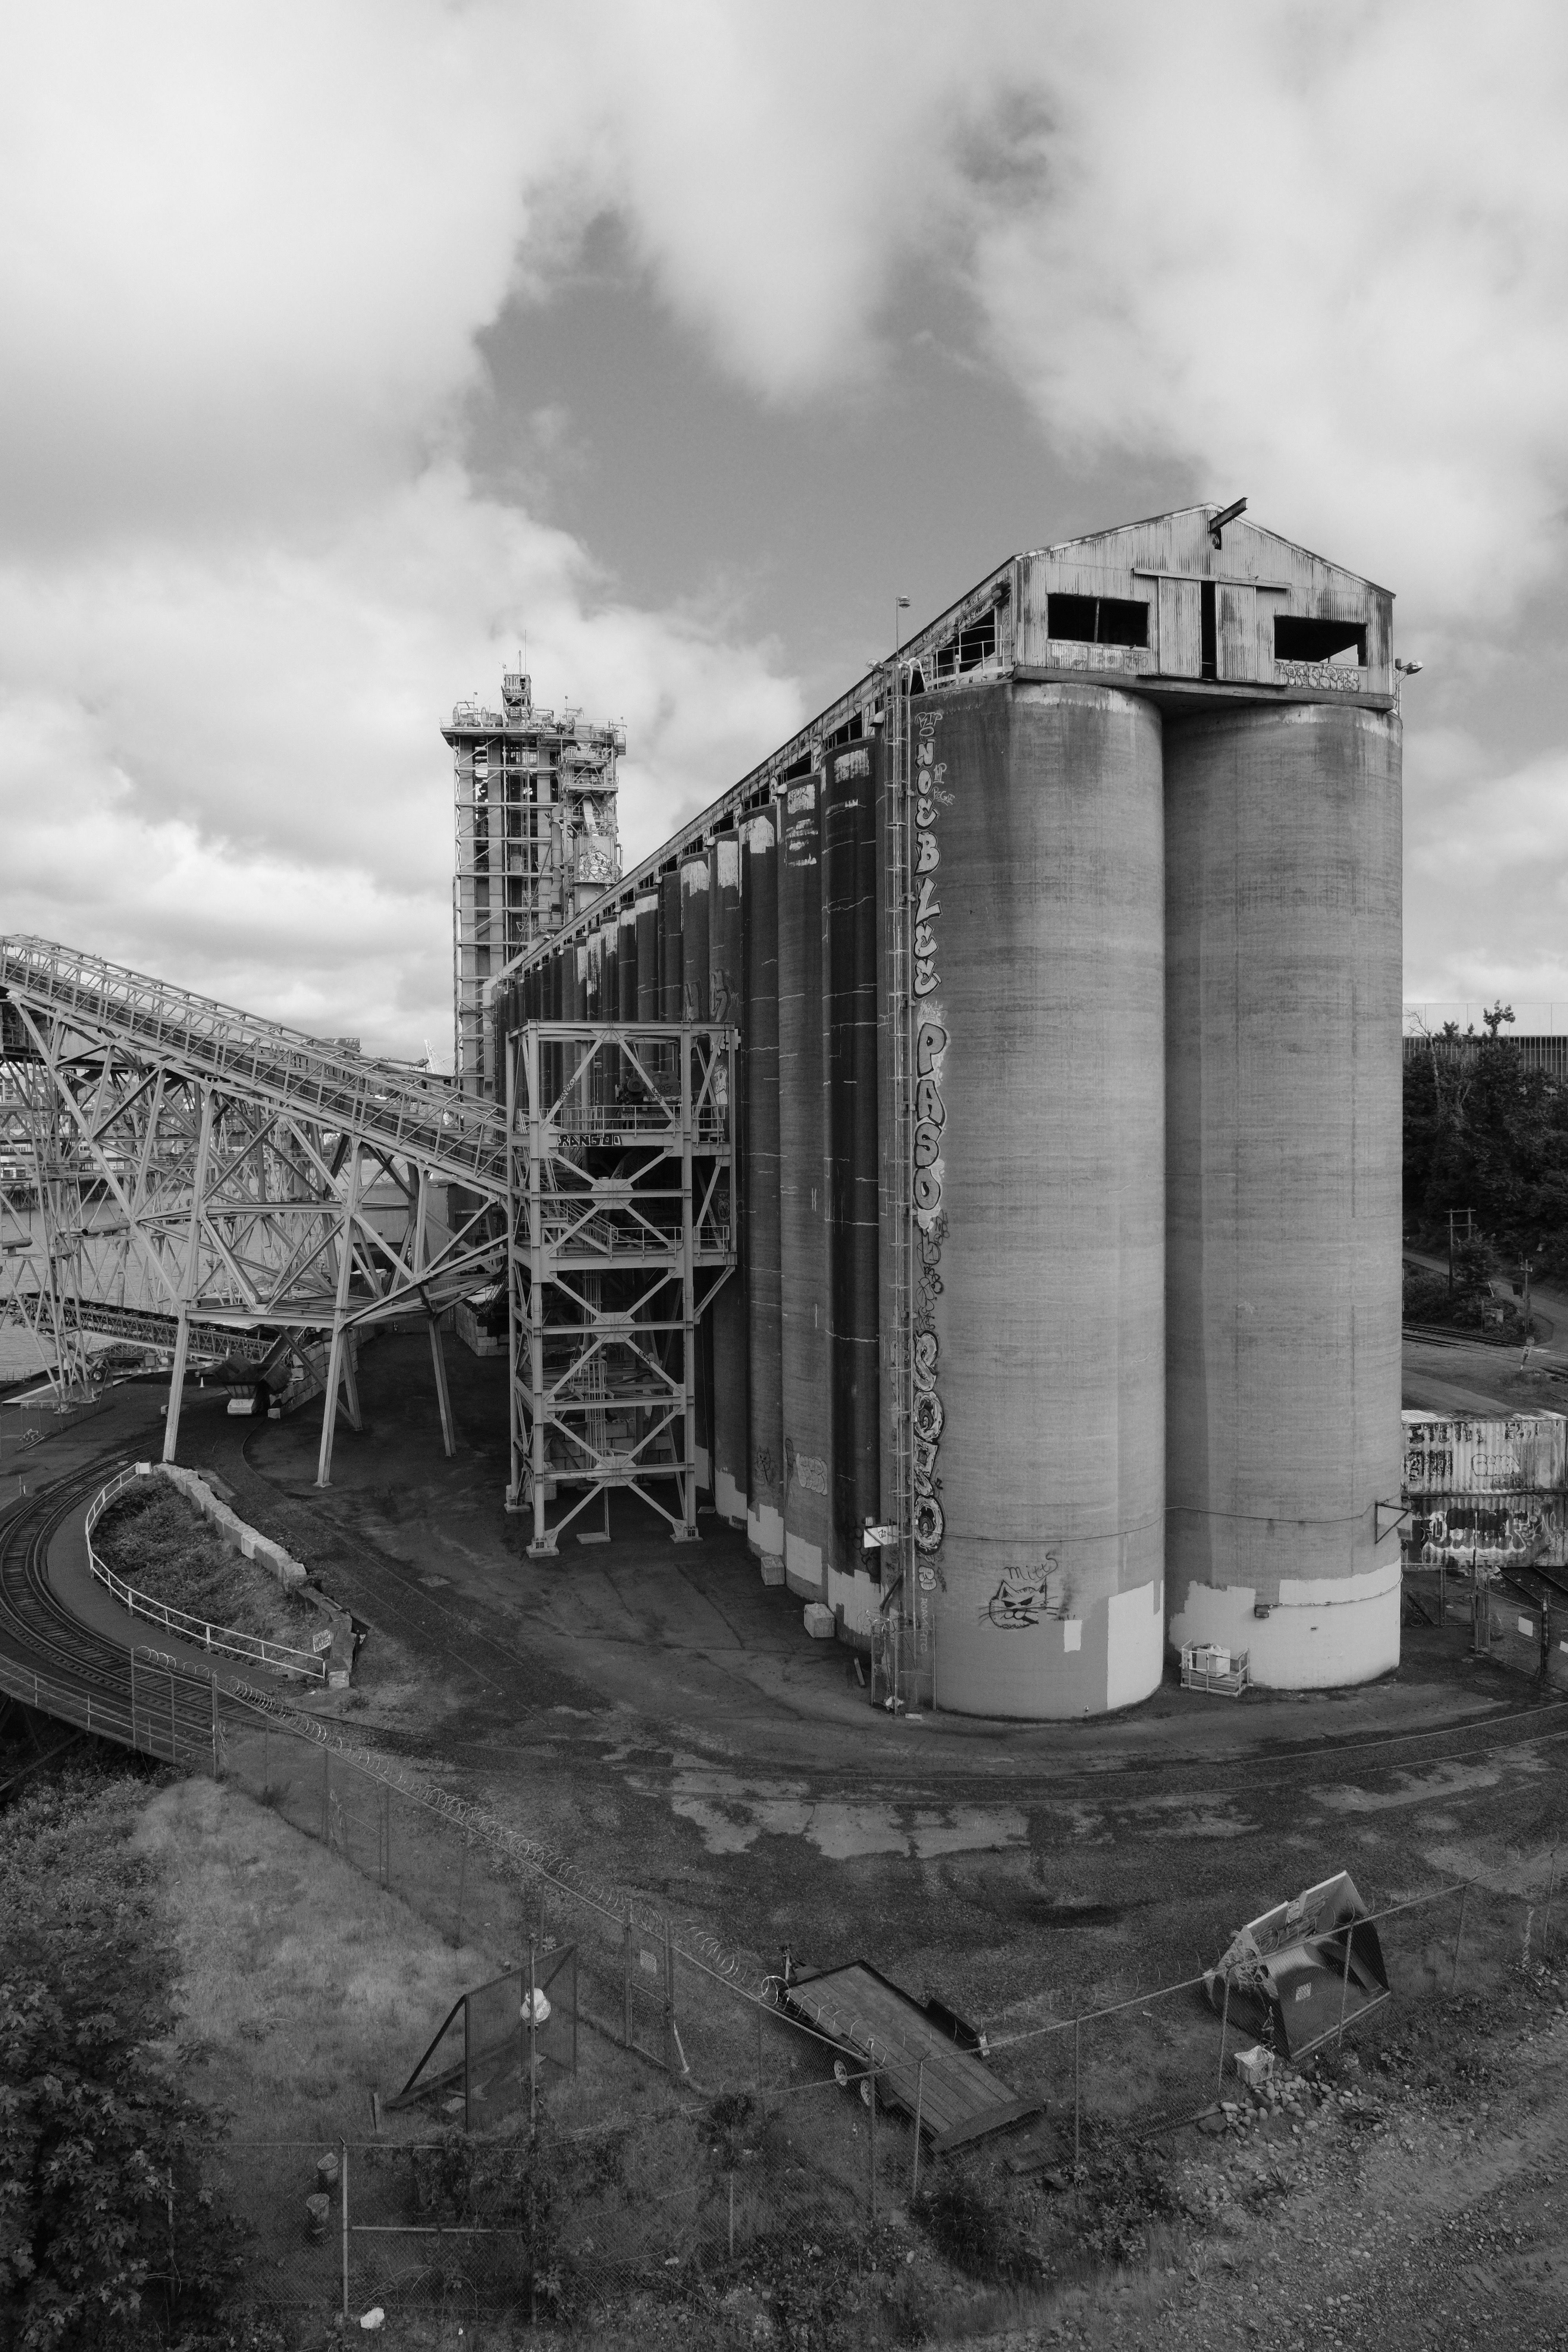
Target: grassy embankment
(159, 1543)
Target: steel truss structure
(620, 1140)
(177, 1160)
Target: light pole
(900, 604)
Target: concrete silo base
(1321, 1633)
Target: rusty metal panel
(1516, 1453)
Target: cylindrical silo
(626, 957)
(670, 973)
(850, 1170)
(759, 1151)
(609, 970)
(1283, 1108)
(726, 996)
(803, 1204)
(1038, 1183)
(694, 947)
(647, 955)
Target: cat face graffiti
(1024, 1596)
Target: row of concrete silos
(1152, 1292)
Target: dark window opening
(1208, 640)
(800, 767)
(850, 732)
(1298, 639)
(1098, 620)
(915, 683)
(974, 644)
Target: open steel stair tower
(621, 1232)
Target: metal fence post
(871, 2086)
(1459, 1938)
(1075, 2093)
(761, 2085)
(668, 1997)
(132, 1694)
(215, 1726)
(1224, 2027)
(1546, 1923)
(626, 1982)
(344, 2191)
(732, 2217)
(533, 2049)
(919, 2102)
(174, 1735)
(463, 1883)
(326, 1794)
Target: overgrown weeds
(159, 1542)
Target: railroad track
(139, 1698)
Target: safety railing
(226, 1640)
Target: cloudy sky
(348, 345)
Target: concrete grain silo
(1284, 1144)
(1039, 1193)
(1064, 958)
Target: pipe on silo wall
(669, 971)
(1039, 1307)
(647, 916)
(727, 1317)
(1284, 1081)
(803, 1201)
(760, 1200)
(849, 942)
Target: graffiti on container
(764, 1470)
(1025, 1595)
(1510, 1531)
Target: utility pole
(1469, 1217)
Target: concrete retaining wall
(292, 1574)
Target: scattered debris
(1299, 1972)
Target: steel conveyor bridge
(178, 1173)
(174, 1159)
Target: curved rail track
(50, 1660)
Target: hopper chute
(1296, 1974)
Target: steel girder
(168, 1156)
(621, 1231)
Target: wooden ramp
(919, 2065)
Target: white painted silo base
(1318, 1635)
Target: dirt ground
(652, 1711)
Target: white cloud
(1323, 257)
(245, 254)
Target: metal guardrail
(226, 1639)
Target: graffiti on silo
(929, 1414)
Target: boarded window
(1297, 638)
(1098, 620)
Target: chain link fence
(799, 2166)
(559, 2224)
